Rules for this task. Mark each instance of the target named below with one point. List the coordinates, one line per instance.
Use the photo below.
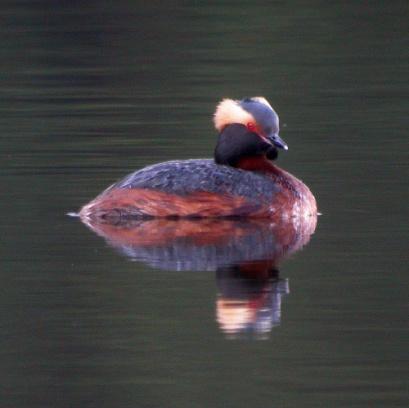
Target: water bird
(240, 181)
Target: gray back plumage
(184, 177)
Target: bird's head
(247, 128)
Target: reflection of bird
(240, 181)
(249, 300)
(207, 244)
(244, 253)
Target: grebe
(241, 181)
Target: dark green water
(92, 90)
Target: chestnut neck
(262, 165)
(257, 163)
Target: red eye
(251, 126)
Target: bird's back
(185, 177)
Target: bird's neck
(262, 165)
(257, 163)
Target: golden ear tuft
(229, 111)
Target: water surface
(93, 91)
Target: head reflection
(249, 303)
(244, 254)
